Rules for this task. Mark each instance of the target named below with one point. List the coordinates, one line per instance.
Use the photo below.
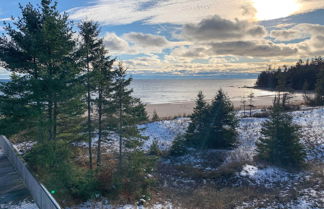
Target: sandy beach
(186, 108)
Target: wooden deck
(12, 188)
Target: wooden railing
(41, 196)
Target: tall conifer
(90, 53)
(104, 75)
(130, 112)
(41, 49)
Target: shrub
(280, 144)
(154, 149)
(178, 147)
(52, 162)
(261, 115)
(134, 179)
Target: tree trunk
(99, 127)
(243, 110)
(120, 133)
(251, 111)
(50, 122)
(89, 116)
(54, 118)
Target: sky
(198, 38)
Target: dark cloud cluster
(286, 35)
(217, 28)
(250, 48)
(146, 40)
(115, 43)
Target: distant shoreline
(274, 90)
(185, 108)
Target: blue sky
(199, 37)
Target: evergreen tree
(104, 76)
(90, 53)
(130, 112)
(21, 99)
(197, 129)
(155, 149)
(40, 53)
(279, 143)
(17, 114)
(222, 123)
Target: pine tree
(104, 75)
(279, 144)
(21, 100)
(60, 71)
(90, 52)
(130, 112)
(222, 123)
(197, 129)
(40, 53)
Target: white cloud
(112, 12)
(310, 5)
(216, 64)
(138, 43)
(210, 32)
(116, 12)
(313, 33)
(299, 31)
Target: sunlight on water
(175, 91)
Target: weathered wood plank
(12, 188)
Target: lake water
(153, 91)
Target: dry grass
(209, 197)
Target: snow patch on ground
(105, 205)
(306, 199)
(24, 147)
(266, 177)
(21, 205)
(311, 121)
(164, 132)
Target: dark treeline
(302, 76)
